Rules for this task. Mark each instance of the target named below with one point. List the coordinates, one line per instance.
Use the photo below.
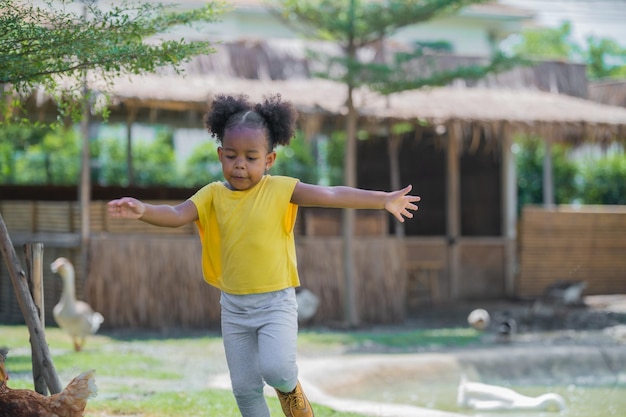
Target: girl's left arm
(397, 202)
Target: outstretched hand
(400, 202)
(126, 208)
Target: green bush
(603, 180)
(529, 159)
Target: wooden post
(41, 353)
(33, 253)
(132, 115)
(351, 312)
(509, 213)
(394, 141)
(548, 179)
(453, 206)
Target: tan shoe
(295, 403)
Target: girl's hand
(399, 203)
(126, 208)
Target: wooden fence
(157, 282)
(573, 244)
(149, 277)
(33, 217)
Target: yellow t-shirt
(247, 236)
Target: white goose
(484, 397)
(76, 318)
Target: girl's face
(244, 156)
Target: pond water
(590, 378)
(582, 401)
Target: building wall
(470, 32)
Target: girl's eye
(252, 159)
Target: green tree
(50, 44)
(529, 160)
(155, 161)
(354, 25)
(548, 43)
(601, 180)
(203, 166)
(15, 139)
(60, 150)
(111, 155)
(604, 57)
(38, 154)
(52, 47)
(297, 160)
(335, 148)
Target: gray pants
(260, 339)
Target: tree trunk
(393, 149)
(350, 307)
(84, 190)
(350, 302)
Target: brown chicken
(70, 402)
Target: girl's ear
(269, 160)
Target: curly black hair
(278, 118)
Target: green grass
(129, 367)
(100, 350)
(191, 404)
(397, 340)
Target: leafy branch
(41, 45)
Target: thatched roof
(523, 99)
(557, 116)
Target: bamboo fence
(142, 276)
(573, 244)
(150, 282)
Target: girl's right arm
(158, 215)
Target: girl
(248, 248)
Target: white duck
(484, 397)
(76, 318)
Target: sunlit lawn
(138, 375)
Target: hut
(456, 152)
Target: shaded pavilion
(453, 122)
